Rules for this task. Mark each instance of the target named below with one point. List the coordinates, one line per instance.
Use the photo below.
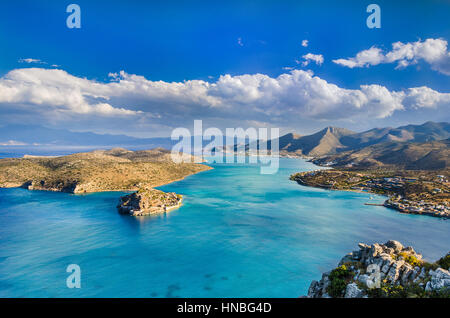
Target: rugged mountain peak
(337, 131)
(293, 136)
(332, 140)
(289, 137)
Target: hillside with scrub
(102, 170)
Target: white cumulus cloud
(432, 51)
(372, 56)
(316, 58)
(56, 91)
(133, 102)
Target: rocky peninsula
(104, 170)
(387, 270)
(413, 192)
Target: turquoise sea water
(238, 234)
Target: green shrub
(339, 278)
(430, 266)
(340, 272)
(396, 292)
(411, 259)
(337, 287)
(442, 293)
(412, 290)
(376, 293)
(444, 262)
(387, 291)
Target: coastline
(164, 209)
(387, 202)
(136, 173)
(18, 185)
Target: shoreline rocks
(149, 201)
(384, 271)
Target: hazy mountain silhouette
(35, 134)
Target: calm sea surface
(238, 234)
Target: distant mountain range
(326, 141)
(414, 145)
(332, 140)
(423, 146)
(430, 155)
(29, 135)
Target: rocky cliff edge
(387, 270)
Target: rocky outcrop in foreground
(149, 201)
(387, 270)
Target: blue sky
(177, 41)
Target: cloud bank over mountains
(53, 96)
(432, 51)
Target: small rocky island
(387, 270)
(149, 201)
